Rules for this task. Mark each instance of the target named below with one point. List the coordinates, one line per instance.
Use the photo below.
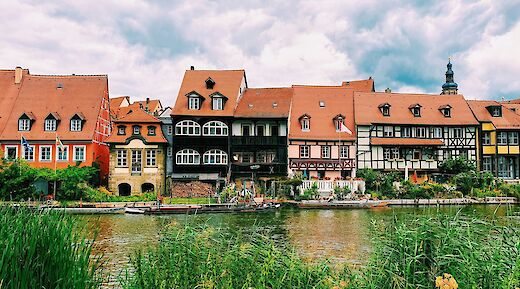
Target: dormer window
(51, 122)
(217, 101)
(495, 110)
(25, 121)
(76, 122)
(210, 83)
(151, 130)
(121, 130)
(415, 109)
(385, 109)
(194, 103)
(305, 122)
(136, 129)
(338, 121)
(446, 110)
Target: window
(50, 125)
(246, 157)
(63, 153)
(486, 138)
(322, 103)
(11, 152)
(420, 132)
(266, 157)
(136, 129)
(457, 132)
(437, 132)
(487, 164)
(136, 161)
(45, 153)
(170, 129)
(338, 121)
(275, 131)
(386, 110)
(79, 153)
(215, 128)
(210, 83)
(325, 152)
(215, 157)
(406, 131)
(187, 127)
(151, 130)
(151, 158)
(218, 103)
(122, 160)
(416, 111)
(75, 124)
(388, 131)
(387, 154)
(417, 154)
(306, 124)
(344, 152)
(496, 111)
(505, 167)
(28, 154)
(446, 112)
(260, 129)
(395, 153)
(194, 103)
(502, 138)
(187, 157)
(304, 151)
(121, 130)
(24, 124)
(246, 130)
(513, 138)
(169, 151)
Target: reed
(44, 250)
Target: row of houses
(220, 130)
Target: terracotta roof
(40, 95)
(141, 118)
(227, 82)
(154, 105)
(514, 107)
(360, 85)
(508, 120)
(516, 101)
(405, 141)
(265, 103)
(336, 100)
(368, 112)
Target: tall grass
(408, 253)
(44, 250)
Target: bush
(308, 194)
(341, 193)
(470, 180)
(102, 195)
(456, 166)
(382, 183)
(16, 179)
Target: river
(338, 235)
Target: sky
(145, 46)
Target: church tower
(450, 87)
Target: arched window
(187, 157)
(187, 127)
(215, 157)
(215, 128)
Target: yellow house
(499, 132)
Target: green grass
(44, 250)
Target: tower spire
(450, 87)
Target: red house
(42, 108)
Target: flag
(25, 145)
(59, 143)
(344, 128)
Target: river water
(338, 235)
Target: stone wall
(194, 189)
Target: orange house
(42, 108)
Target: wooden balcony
(258, 140)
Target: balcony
(258, 140)
(272, 168)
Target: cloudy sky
(145, 46)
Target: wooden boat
(85, 210)
(134, 211)
(212, 208)
(177, 209)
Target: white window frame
(76, 124)
(420, 132)
(215, 157)
(193, 103)
(58, 153)
(151, 158)
(137, 157)
(395, 153)
(325, 152)
(40, 154)
(6, 155)
(74, 150)
(344, 151)
(408, 130)
(513, 138)
(388, 131)
(457, 131)
(305, 151)
(387, 154)
(217, 103)
(486, 138)
(495, 112)
(502, 140)
(24, 124)
(33, 153)
(437, 132)
(306, 124)
(265, 157)
(187, 157)
(215, 128)
(51, 124)
(121, 158)
(121, 130)
(136, 129)
(187, 127)
(151, 130)
(487, 164)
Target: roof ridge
(69, 75)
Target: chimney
(147, 102)
(18, 74)
(388, 90)
(192, 67)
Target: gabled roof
(154, 105)
(141, 118)
(508, 120)
(306, 100)
(265, 103)
(40, 95)
(360, 85)
(227, 82)
(368, 112)
(137, 115)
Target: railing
(258, 140)
(261, 168)
(326, 186)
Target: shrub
(456, 166)
(16, 179)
